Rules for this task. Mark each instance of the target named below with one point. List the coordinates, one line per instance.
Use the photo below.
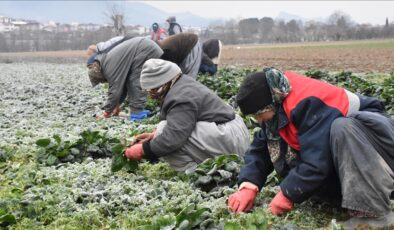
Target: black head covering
(254, 93)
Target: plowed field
(355, 56)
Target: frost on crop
(59, 167)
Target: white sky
(374, 12)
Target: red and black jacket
(305, 119)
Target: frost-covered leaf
(51, 160)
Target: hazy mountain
(94, 12)
(287, 17)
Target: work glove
(141, 138)
(280, 204)
(242, 201)
(135, 152)
(139, 115)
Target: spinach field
(57, 169)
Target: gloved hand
(103, 115)
(280, 204)
(135, 152)
(116, 111)
(242, 201)
(143, 137)
(139, 115)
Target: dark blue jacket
(305, 119)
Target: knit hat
(254, 93)
(171, 19)
(157, 72)
(155, 26)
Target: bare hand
(141, 138)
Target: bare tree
(339, 24)
(116, 15)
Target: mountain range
(97, 12)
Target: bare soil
(333, 56)
(307, 56)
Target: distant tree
(387, 22)
(117, 17)
(293, 31)
(266, 26)
(249, 27)
(280, 31)
(231, 32)
(339, 23)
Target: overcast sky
(374, 12)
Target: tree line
(338, 27)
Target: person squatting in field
(344, 147)
(121, 66)
(186, 50)
(210, 56)
(195, 123)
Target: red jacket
(304, 88)
(161, 33)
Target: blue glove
(140, 115)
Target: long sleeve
(115, 91)
(258, 163)
(181, 121)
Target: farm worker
(158, 33)
(173, 26)
(195, 123)
(121, 68)
(344, 143)
(185, 50)
(210, 56)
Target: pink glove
(242, 201)
(103, 115)
(135, 152)
(280, 204)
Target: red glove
(135, 152)
(280, 204)
(116, 111)
(103, 115)
(242, 201)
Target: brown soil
(301, 56)
(304, 58)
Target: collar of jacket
(282, 118)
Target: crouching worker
(185, 50)
(212, 50)
(195, 123)
(121, 68)
(344, 141)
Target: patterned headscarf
(280, 88)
